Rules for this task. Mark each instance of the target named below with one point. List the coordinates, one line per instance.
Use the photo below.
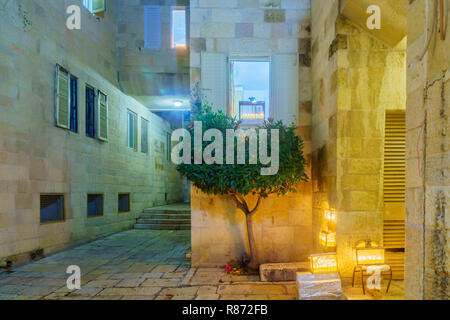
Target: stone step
(162, 211)
(149, 226)
(163, 221)
(165, 216)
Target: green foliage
(246, 179)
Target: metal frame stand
(361, 269)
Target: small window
(178, 27)
(95, 6)
(73, 104)
(152, 27)
(95, 205)
(124, 202)
(168, 147)
(250, 89)
(90, 112)
(144, 135)
(131, 130)
(52, 208)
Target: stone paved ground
(145, 265)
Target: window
(131, 130)
(90, 112)
(168, 146)
(94, 6)
(250, 89)
(102, 113)
(73, 104)
(144, 135)
(178, 27)
(152, 27)
(95, 205)
(66, 100)
(124, 202)
(52, 208)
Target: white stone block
(319, 286)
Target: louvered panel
(397, 262)
(394, 193)
(394, 158)
(103, 117)
(63, 98)
(394, 234)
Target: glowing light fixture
(323, 263)
(178, 103)
(330, 215)
(327, 239)
(369, 254)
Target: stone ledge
(278, 272)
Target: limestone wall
(37, 157)
(356, 78)
(324, 111)
(283, 225)
(151, 75)
(371, 80)
(428, 106)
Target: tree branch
(258, 203)
(240, 205)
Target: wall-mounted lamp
(330, 215)
(178, 103)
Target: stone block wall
(36, 157)
(324, 111)
(151, 75)
(356, 79)
(282, 228)
(240, 27)
(427, 221)
(371, 80)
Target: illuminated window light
(323, 263)
(178, 27)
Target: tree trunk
(254, 261)
(243, 206)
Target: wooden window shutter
(394, 158)
(152, 27)
(97, 6)
(394, 192)
(102, 116)
(214, 79)
(62, 113)
(284, 88)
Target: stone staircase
(170, 217)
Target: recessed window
(95, 205)
(94, 6)
(90, 112)
(152, 27)
(131, 130)
(144, 135)
(178, 27)
(168, 147)
(124, 202)
(52, 208)
(73, 104)
(250, 89)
